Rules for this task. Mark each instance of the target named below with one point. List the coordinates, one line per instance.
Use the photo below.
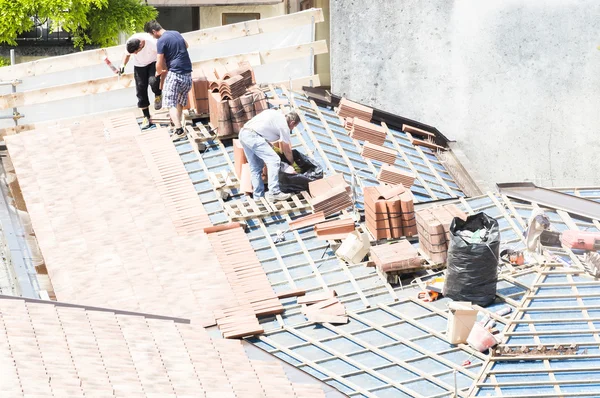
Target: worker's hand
(122, 70)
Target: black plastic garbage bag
(309, 171)
(472, 267)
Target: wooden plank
(112, 83)
(196, 38)
(293, 52)
(321, 317)
(297, 84)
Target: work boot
(158, 102)
(178, 134)
(145, 124)
(278, 197)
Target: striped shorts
(176, 89)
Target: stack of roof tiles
(389, 212)
(323, 185)
(248, 280)
(233, 87)
(365, 131)
(433, 226)
(331, 202)
(399, 256)
(379, 153)
(351, 109)
(330, 194)
(323, 307)
(234, 100)
(306, 221)
(395, 176)
(336, 229)
(198, 95)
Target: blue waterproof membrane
(350, 150)
(402, 344)
(588, 193)
(567, 324)
(374, 359)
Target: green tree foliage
(96, 22)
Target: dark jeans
(144, 76)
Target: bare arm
(161, 65)
(287, 151)
(125, 59)
(186, 44)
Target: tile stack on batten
(389, 212)
(433, 225)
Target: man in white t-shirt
(143, 48)
(256, 137)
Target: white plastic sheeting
(125, 98)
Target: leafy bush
(96, 22)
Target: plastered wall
(515, 82)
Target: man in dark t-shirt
(173, 57)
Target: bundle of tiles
(335, 229)
(399, 256)
(395, 176)
(389, 212)
(365, 131)
(198, 95)
(351, 109)
(234, 100)
(433, 226)
(379, 153)
(324, 185)
(323, 307)
(334, 201)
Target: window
(306, 4)
(235, 17)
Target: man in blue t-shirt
(174, 58)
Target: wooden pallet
(295, 203)
(245, 209)
(223, 180)
(199, 133)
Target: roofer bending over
(256, 137)
(143, 48)
(173, 57)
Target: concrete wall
(515, 82)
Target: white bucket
(480, 338)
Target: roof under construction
(162, 278)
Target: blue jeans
(259, 152)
